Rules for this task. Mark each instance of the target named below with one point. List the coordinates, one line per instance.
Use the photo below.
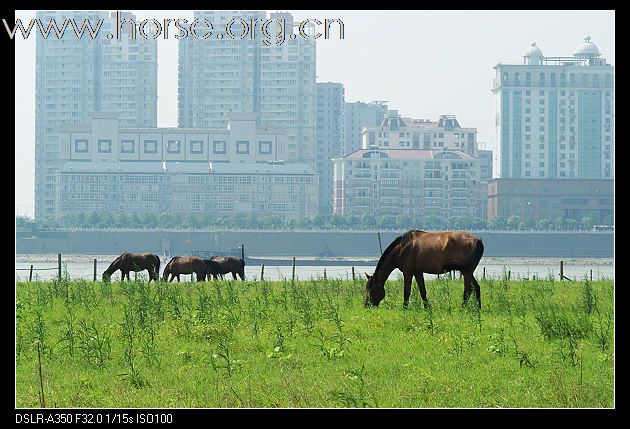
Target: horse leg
(422, 288)
(234, 274)
(407, 282)
(477, 289)
(467, 287)
(242, 275)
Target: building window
(173, 146)
(218, 147)
(150, 146)
(104, 146)
(127, 146)
(242, 147)
(196, 147)
(264, 147)
(81, 146)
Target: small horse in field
(185, 265)
(134, 262)
(220, 265)
(417, 252)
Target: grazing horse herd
(414, 253)
(216, 266)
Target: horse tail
(477, 251)
(157, 267)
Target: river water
(45, 267)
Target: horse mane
(111, 266)
(401, 239)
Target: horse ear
(368, 276)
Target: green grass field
(535, 343)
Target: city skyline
(374, 39)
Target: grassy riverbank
(535, 343)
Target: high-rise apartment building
(329, 137)
(223, 74)
(76, 76)
(555, 125)
(358, 115)
(555, 115)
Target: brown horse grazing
(185, 265)
(227, 264)
(417, 252)
(213, 268)
(134, 262)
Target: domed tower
(533, 56)
(587, 53)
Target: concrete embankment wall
(305, 243)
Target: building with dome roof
(555, 121)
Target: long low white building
(218, 172)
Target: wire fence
(93, 271)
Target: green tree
(404, 221)
(543, 224)
(352, 221)
(135, 221)
(479, 223)
(432, 223)
(107, 220)
(337, 221)
(560, 223)
(368, 220)
(571, 224)
(513, 222)
(587, 223)
(149, 220)
(387, 222)
(93, 219)
(303, 222)
(498, 223)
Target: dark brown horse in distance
(134, 262)
(220, 265)
(185, 265)
(417, 252)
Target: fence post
(293, 275)
(380, 246)
(324, 273)
(509, 274)
(262, 272)
(59, 265)
(30, 274)
(243, 252)
(561, 270)
(42, 400)
(484, 273)
(95, 269)
(591, 274)
(353, 278)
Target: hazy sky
(425, 63)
